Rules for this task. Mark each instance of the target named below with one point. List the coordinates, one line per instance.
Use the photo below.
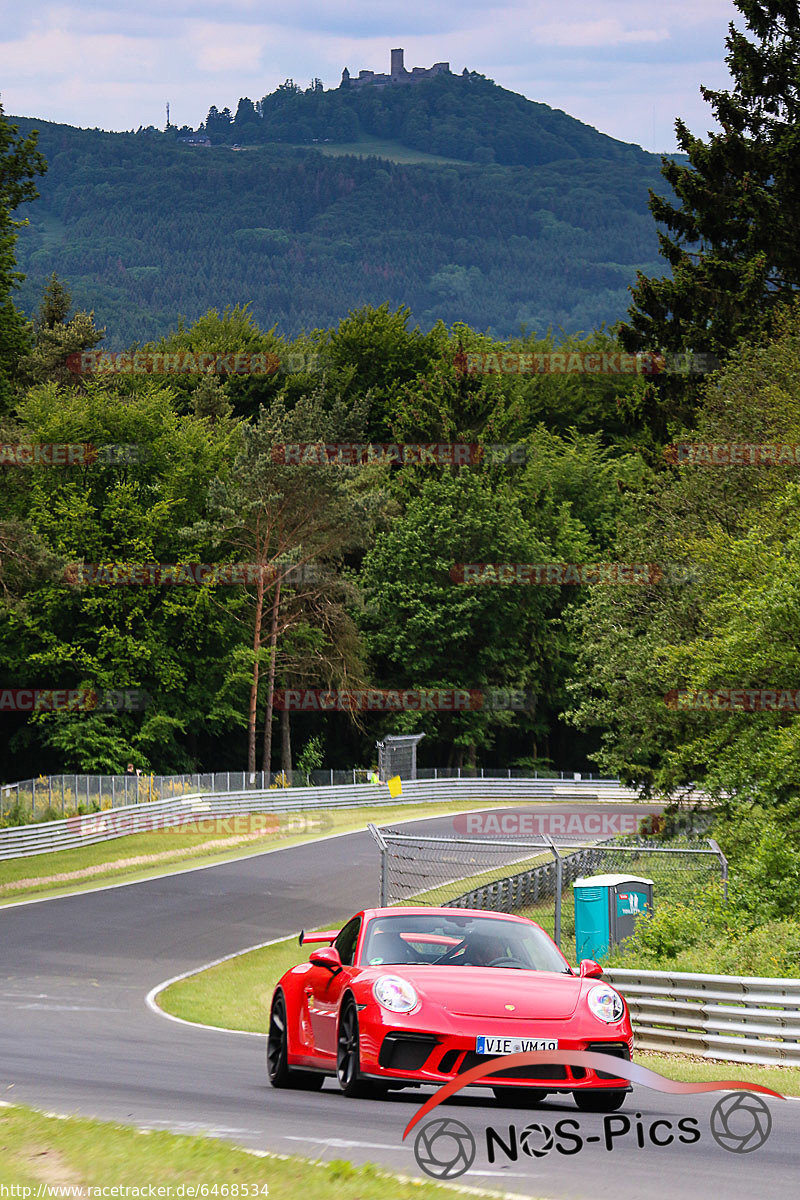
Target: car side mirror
(328, 958)
(589, 969)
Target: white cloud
(87, 63)
(607, 32)
(217, 48)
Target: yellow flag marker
(395, 786)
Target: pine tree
(57, 336)
(55, 306)
(20, 162)
(733, 240)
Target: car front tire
(348, 1054)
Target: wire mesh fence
(53, 796)
(533, 876)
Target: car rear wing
(323, 935)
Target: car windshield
(460, 940)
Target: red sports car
(406, 996)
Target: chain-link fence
(53, 796)
(66, 795)
(533, 876)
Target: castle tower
(397, 64)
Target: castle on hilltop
(397, 75)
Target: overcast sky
(624, 66)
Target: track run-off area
(77, 1036)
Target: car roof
(427, 911)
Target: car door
(323, 991)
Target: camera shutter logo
(536, 1140)
(740, 1122)
(444, 1148)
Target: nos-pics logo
(445, 1148)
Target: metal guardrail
(750, 1020)
(65, 834)
(65, 793)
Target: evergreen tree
(55, 306)
(57, 337)
(732, 239)
(20, 161)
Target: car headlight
(606, 1004)
(395, 993)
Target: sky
(625, 67)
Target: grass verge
(236, 995)
(140, 856)
(383, 148)
(688, 1069)
(37, 1150)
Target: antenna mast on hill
(168, 114)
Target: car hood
(492, 991)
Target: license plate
(505, 1045)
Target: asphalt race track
(76, 1036)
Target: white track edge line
(106, 887)
(150, 998)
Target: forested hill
(146, 229)
(465, 116)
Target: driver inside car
(481, 951)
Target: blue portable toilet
(606, 909)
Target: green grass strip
(53, 874)
(38, 1150)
